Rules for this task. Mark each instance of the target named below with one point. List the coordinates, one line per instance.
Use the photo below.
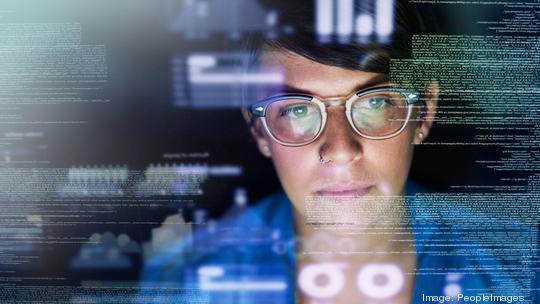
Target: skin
(381, 165)
(384, 164)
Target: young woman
(348, 227)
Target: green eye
(372, 112)
(376, 103)
(297, 111)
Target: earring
(266, 150)
(421, 136)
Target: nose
(339, 143)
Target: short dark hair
(370, 57)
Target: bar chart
(346, 20)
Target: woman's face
(357, 166)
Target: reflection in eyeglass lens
(294, 120)
(379, 114)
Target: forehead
(311, 77)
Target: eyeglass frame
(259, 109)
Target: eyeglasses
(298, 119)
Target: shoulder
(237, 233)
(243, 238)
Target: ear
(259, 134)
(428, 113)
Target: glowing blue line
(232, 78)
(203, 61)
(243, 286)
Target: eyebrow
(381, 78)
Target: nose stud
(324, 161)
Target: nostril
(339, 142)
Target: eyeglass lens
(377, 114)
(293, 120)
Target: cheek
(291, 163)
(393, 158)
(293, 166)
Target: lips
(344, 189)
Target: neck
(375, 225)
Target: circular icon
(321, 280)
(380, 281)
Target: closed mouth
(344, 189)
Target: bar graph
(346, 20)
